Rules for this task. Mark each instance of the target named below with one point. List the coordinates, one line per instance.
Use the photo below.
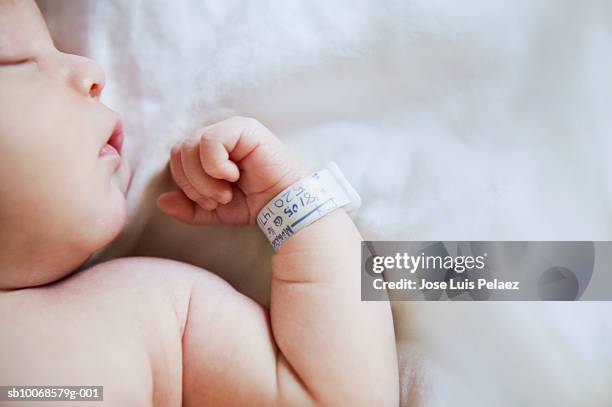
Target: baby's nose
(88, 76)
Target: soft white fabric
(469, 120)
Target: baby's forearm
(342, 348)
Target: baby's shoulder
(137, 280)
(144, 289)
(126, 315)
(149, 288)
(151, 274)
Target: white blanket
(472, 120)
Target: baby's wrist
(305, 201)
(291, 177)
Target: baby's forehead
(22, 28)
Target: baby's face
(61, 195)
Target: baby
(152, 331)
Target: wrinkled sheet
(473, 120)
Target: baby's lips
(114, 139)
(108, 149)
(110, 154)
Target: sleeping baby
(153, 331)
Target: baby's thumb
(175, 204)
(180, 207)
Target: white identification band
(306, 201)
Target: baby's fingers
(214, 157)
(182, 208)
(242, 142)
(230, 141)
(181, 180)
(207, 186)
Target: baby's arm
(319, 344)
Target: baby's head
(61, 193)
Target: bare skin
(160, 332)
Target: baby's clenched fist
(227, 172)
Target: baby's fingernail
(225, 197)
(207, 204)
(191, 142)
(165, 203)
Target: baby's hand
(227, 172)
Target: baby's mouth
(115, 141)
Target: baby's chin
(118, 219)
(123, 175)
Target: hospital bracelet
(304, 202)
